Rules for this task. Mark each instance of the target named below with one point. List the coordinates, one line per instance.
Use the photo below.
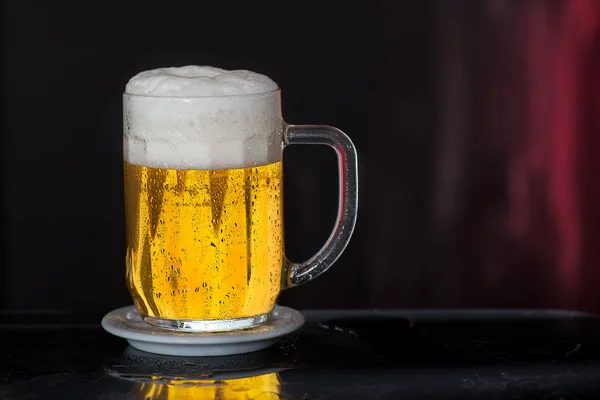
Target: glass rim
(189, 98)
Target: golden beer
(204, 244)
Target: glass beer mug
(203, 189)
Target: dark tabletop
(398, 354)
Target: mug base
(214, 325)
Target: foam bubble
(201, 118)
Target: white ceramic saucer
(127, 323)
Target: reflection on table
(261, 387)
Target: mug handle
(299, 273)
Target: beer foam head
(201, 118)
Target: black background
(396, 76)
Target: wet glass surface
(336, 355)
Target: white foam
(201, 118)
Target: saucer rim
(284, 321)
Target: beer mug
(204, 208)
